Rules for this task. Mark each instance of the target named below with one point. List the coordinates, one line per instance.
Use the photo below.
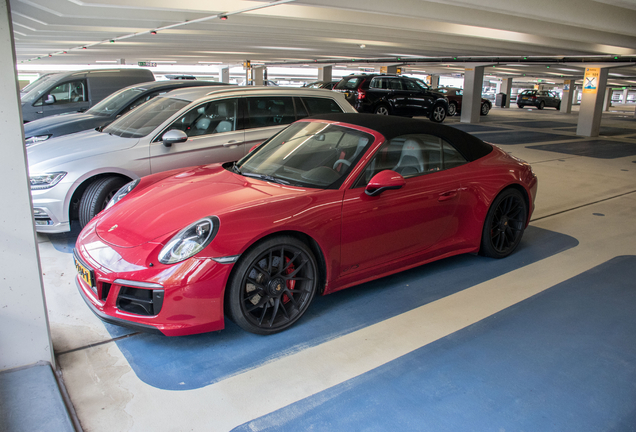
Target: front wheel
(504, 225)
(541, 105)
(439, 114)
(452, 109)
(272, 285)
(96, 196)
(485, 109)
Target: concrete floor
(544, 340)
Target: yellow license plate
(85, 273)
(524, 98)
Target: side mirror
(50, 99)
(174, 136)
(384, 180)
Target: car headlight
(36, 139)
(122, 192)
(189, 241)
(46, 180)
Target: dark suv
(393, 94)
(539, 99)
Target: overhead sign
(590, 81)
(147, 64)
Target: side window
(142, 100)
(395, 84)
(69, 92)
(412, 155)
(209, 118)
(321, 105)
(459, 92)
(410, 85)
(378, 83)
(301, 111)
(270, 111)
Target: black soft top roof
(472, 148)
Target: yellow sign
(590, 81)
(383, 69)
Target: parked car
(74, 176)
(393, 95)
(27, 88)
(77, 91)
(102, 114)
(455, 96)
(329, 85)
(328, 203)
(539, 99)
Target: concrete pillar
(625, 94)
(577, 92)
(121, 61)
(568, 92)
(224, 75)
(434, 81)
(257, 75)
(324, 73)
(24, 329)
(471, 102)
(506, 88)
(607, 101)
(589, 122)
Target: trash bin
(500, 100)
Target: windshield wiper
(236, 169)
(266, 178)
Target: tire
(438, 114)
(485, 109)
(520, 105)
(96, 196)
(558, 107)
(504, 224)
(382, 110)
(541, 105)
(452, 109)
(267, 294)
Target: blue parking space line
(191, 362)
(562, 360)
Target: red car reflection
(326, 204)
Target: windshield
(115, 102)
(349, 83)
(146, 118)
(39, 88)
(309, 154)
(38, 81)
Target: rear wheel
(558, 107)
(273, 285)
(382, 110)
(520, 105)
(485, 109)
(504, 225)
(452, 109)
(96, 196)
(439, 114)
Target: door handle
(447, 195)
(232, 143)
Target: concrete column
(589, 122)
(24, 328)
(434, 81)
(471, 102)
(506, 88)
(607, 101)
(568, 92)
(257, 75)
(625, 94)
(224, 75)
(121, 61)
(324, 73)
(577, 91)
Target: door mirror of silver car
(50, 99)
(174, 136)
(382, 181)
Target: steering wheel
(339, 161)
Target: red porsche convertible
(327, 203)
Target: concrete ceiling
(422, 34)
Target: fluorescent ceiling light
(105, 61)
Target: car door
(397, 223)
(215, 134)
(398, 96)
(70, 96)
(420, 100)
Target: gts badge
(114, 227)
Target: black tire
(558, 107)
(541, 105)
(504, 224)
(96, 196)
(272, 285)
(520, 105)
(485, 109)
(382, 109)
(452, 109)
(438, 114)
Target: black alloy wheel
(96, 197)
(504, 225)
(485, 109)
(438, 114)
(272, 285)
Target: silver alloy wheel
(452, 109)
(485, 109)
(382, 110)
(439, 114)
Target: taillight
(534, 98)
(361, 94)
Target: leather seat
(412, 159)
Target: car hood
(63, 124)
(161, 209)
(55, 152)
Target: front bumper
(126, 292)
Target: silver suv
(74, 176)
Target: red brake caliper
(290, 283)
